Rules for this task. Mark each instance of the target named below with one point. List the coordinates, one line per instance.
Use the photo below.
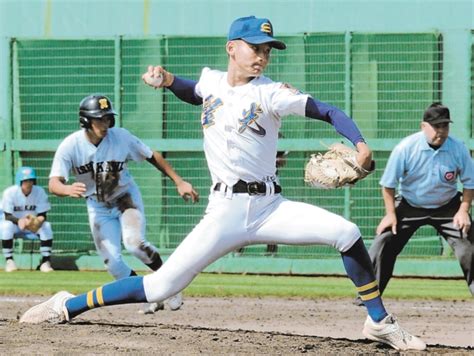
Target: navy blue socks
(123, 291)
(359, 269)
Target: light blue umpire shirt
(425, 177)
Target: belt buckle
(252, 188)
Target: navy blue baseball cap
(436, 113)
(254, 31)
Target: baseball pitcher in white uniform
(97, 155)
(241, 115)
(21, 203)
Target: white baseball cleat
(151, 308)
(175, 302)
(52, 311)
(46, 267)
(10, 266)
(390, 332)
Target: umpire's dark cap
(254, 30)
(436, 113)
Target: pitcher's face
(251, 59)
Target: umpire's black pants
(387, 246)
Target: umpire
(426, 167)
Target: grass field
(218, 285)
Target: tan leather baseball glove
(336, 168)
(34, 224)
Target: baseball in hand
(153, 80)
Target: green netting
(472, 85)
(142, 109)
(186, 57)
(325, 79)
(53, 76)
(179, 217)
(391, 79)
(395, 77)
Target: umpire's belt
(252, 188)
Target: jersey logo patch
(291, 88)
(450, 176)
(209, 107)
(250, 117)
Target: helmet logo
(103, 103)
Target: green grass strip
(23, 283)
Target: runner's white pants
(107, 226)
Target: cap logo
(103, 103)
(266, 27)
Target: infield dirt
(216, 326)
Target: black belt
(252, 188)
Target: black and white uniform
(111, 193)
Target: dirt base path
(235, 326)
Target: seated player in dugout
(97, 156)
(25, 206)
(242, 111)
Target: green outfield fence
(384, 81)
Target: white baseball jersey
(240, 141)
(16, 203)
(241, 125)
(103, 168)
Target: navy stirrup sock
(359, 269)
(126, 290)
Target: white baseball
(154, 81)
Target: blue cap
(24, 173)
(254, 31)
